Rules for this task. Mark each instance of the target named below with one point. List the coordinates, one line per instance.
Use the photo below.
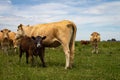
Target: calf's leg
(41, 55)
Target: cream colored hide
(95, 38)
(12, 36)
(5, 41)
(57, 33)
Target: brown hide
(28, 46)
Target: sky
(101, 16)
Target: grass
(87, 66)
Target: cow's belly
(51, 43)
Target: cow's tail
(72, 42)
(73, 36)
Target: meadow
(87, 66)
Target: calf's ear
(33, 37)
(43, 37)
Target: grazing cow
(32, 46)
(95, 38)
(83, 42)
(6, 42)
(57, 33)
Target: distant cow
(83, 42)
(95, 38)
(32, 46)
(57, 33)
(6, 42)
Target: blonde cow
(95, 38)
(57, 33)
(6, 42)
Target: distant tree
(113, 39)
(108, 40)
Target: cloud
(109, 8)
(42, 9)
(85, 13)
(5, 7)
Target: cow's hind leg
(71, 54)
(67, 55)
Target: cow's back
(28, 30)
(12, 35)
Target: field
(87, 66)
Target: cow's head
(20, 32)
(95, 37)
(5, 33)
(38, 41)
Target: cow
(95, 38)
(84, 42)
(0, 38)
(6, 42)
(57, 33)
(12, 37)
(32, 46)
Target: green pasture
(87, 66)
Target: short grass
(87, 66)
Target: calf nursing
(32, 46)
(57, 33)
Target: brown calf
(32, 46)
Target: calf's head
(38, 41)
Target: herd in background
(33, 39)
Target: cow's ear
(20, 25)
(92, 34)
(33, 37)
(43, 37)
(98, 34)
(1, 31)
